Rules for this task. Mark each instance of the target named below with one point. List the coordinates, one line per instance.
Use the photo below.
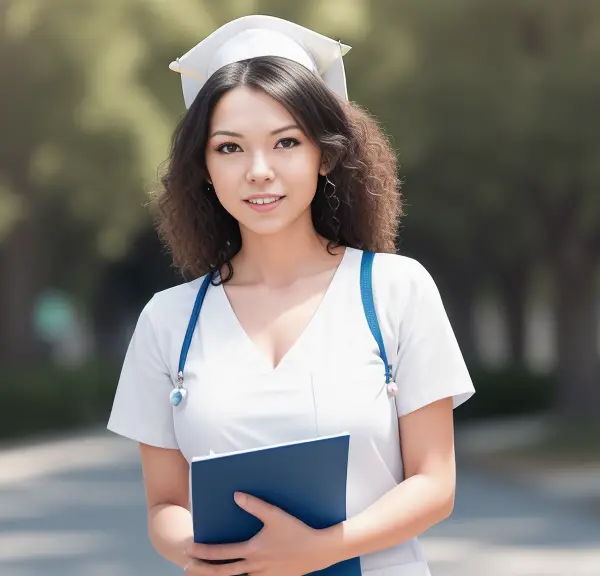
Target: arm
(166, 480)
(425, 498)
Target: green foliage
(480, 99)
(47, 398)
(492, 107)
(488, 102)
(507, 392)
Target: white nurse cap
(253, 36)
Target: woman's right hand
(196, 567)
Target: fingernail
(239, 497)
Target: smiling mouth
(264, 200)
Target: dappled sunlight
(80, 511)
(491, 108)
(504, 530)
(498, 528)
(58, 496)
(86, 515)
(88, 451)
(26, 546)
(469, 557)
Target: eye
(288, 143)
(228, 148)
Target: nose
(260, 169)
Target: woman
(276, 184)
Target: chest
(331, 380)
(273, 320)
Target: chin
(265, 228)
(272, 224)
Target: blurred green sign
(54, 315)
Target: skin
(270, 155)
(281, 274)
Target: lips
(259, 199)
(263, 203)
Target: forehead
(249, 108)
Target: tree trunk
(19, 283)
(574, 260)
(578, 365)
(461, 306)
(513, 282)
(21, 275)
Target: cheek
(225, 174)
(297, 173)
(301, 174)
(224, 168)
(303, 188)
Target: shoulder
(397, 274)
(401, 286)
(396, 267)
(172, 306)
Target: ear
(328, 163)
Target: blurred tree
(493, 106)
(437, 91)
(87, 133)
(90, 111)
(558, 147)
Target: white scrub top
(332, 380)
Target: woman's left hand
(285, 546)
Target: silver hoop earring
(328, 181)
(332, 196)
(334, 203)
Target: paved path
(76, 508)
(503, 530)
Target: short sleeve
(141, 408)
(429, 365)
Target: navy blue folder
(306, 479)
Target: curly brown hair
(358, 204)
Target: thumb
(255, 506)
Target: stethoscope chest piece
(179, 393)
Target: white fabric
(258, 35)
(331, 380)
(256, 43)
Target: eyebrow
(237, 135)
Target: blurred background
(494, 109)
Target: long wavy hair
(358, 204)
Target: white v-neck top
(331, 380)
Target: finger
(217, 551)
(201, 568)
(257, 507)
(239, 568)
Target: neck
(277, 260)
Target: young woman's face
(263, 167)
